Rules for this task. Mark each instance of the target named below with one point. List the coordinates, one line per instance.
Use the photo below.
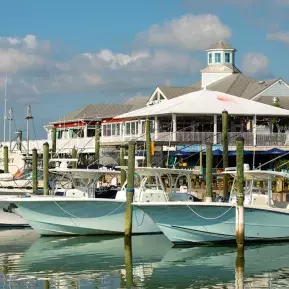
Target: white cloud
(282, 36)
(255, 63)
(194, 32)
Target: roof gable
(221, 45)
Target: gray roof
(221, 68)
(238, 84)
(283, 100)
(257, 87)
(221, 45)
(102, 111)
(174, 91)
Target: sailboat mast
(5, 107)
(28, 117)
(10, 122)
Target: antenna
(5, 107)
(28, 117)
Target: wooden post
(225, 151)
(97, 142)
(209, 173)
(240, 226)
(45, 168)
(74, 156)
(5, 156)
(129, 189)
(53, 140)
(148, 147)
(34, 170)
(239, 269)
(128, 262)
(122, 153)
(46, 284)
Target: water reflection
(107, 262)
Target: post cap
(46, 144)
(224, 111)
(34, 149)
(5, 147)
(124, 146)
(132, 142)
(240, 138)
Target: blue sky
(61, 55)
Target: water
(27, 261)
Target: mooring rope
(94, 218)
(205, 218)
(143, 216)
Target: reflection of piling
(209, 175)
(122, 153)
(239, 269)
(53, 140)
(34, 170)
(240, 235)
(45, 167)
(97, 142)
(129, 189)
(46, 284)
(148, 147)
(74, 156)
(128, 262)
(225, 151)
(5, 156)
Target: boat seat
(260, 200)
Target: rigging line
(272, 160)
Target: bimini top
(151, 171)
(206, 102)
(259, 175)
(83, 173)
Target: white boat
(87, 215)
(192, 222)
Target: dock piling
(225, 145)
(209, 174)
(148, 147)
(122, 153)
(240, 227)
(19, 140)
(97, 142)
(34, 170)
(129, 189)
(5, 156)
(74, 156)
(53, 140)
(45, 168)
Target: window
(108, 130)
(227, 57)
(127, 128)
(210, 58)
(217, 57)
(90, 132)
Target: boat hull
(215, 222)
(10, 219)
(82, 217)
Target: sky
(62, 55)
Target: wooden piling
(148, 147)
(122, 153)
(53, 140)
(128, 262)
(225, 151)
(46, 284)
(45, 168)
(74, 156)
(97, 142)
(34, 170)
(240, 226)
(209, 173)
(19, 140)
(5, 157)
(129, 189)
(239, 269)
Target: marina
(144, 144)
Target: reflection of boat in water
(89, 255)
(213, 265)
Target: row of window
(218, 57)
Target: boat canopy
(152, 171)
(83, 173)
(258, 174)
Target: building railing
(86, 145)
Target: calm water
(92, 262)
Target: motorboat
(88, 215)
(214, 222)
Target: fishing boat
(88, 215)
(206, 222)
